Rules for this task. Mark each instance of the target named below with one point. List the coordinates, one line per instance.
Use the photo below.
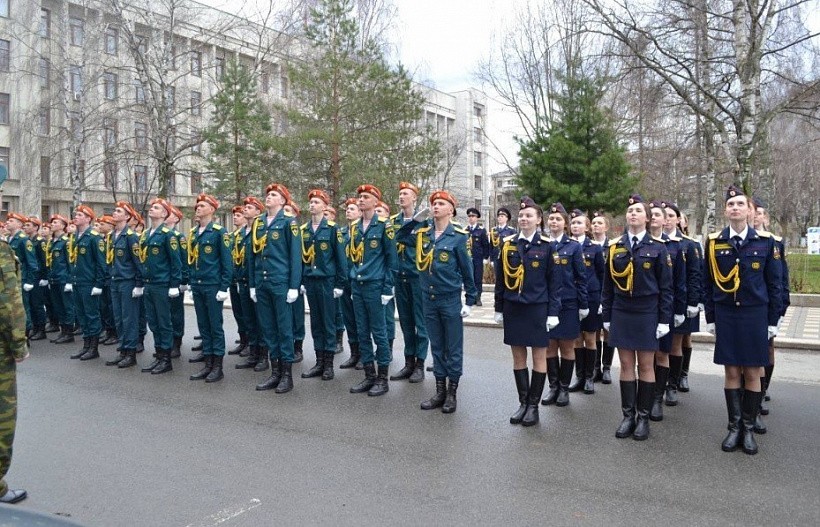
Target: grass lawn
(804, 272)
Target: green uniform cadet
(58, 277)
(275, 268)
(87, 257)
(12, 346)
(242, 275)
(126, 275)
(346, 306)
(177, 304)
(409, 303)
(325, 269)
(24, 250)
(39, 295)
(243, 317)
(211, 270)
(161, 272)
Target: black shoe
(599, 348)
(683, 381)
(671, 397)
(437, 400)
(38, 334)
(354, 357)
(578, 382)
(564, 377)
(407, 370)
(606, 375)
(198, 347)
(735, 436)
(328, 373)
(646, 395)
(628, 396)
(216, 371)
(552, 376)
(675, 364)
(154, 363)
(418, 372)
(522, 386)
(117, 359)
(531, 417)
(264, 362)
(129, 360)
(164, 365)
(175, 348)
(140, 344)
(369, 379)
(241, 346)
(13, 496)
(110, 338)
(749, 409)
(251, 360)
(316, 371)
(286, 382)
(607, 353)
(450, 402)
(661, 375)
(205, 371)
(478, 302)
(429, 368)
(298, 355)
(65, 336)
(380, 387)
(93, 350)
(764, 386)
(84, 350)
(198, 358)
(275, 377)
(52, 327)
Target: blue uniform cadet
(126, 285)
(498, 233)
(39, 295)
(29, 269)
(243, 247)
(479, 247)
(87, 258)
(59, 279)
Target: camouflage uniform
(12, 346)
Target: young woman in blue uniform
(743, 304)
(604, 352)
(568, 265)
(528, 302)
(637, 300)
(585, 347)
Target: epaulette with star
(217, 227)
(165, 230)
(460, 230)
(288, 214)
(511, 237)
(714, 235)
(94, 232)
(330, 223)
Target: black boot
(298, 355)
(141, 344)
(84, 350)
(275, 376)
(200, 357)
(589, 371)
(216, 371)
(243, 344)
(661, 374)
(198, 347)
(110, 337)
(116, 360)
(176, 348)
(380, 387)
(418, 372)
(67, 335)
(250, 361)
(328, 373)
(317, 370)
(404, 373)
(536, 389)
(760, 426)
(38, 334)
(577, 384)
(340, 339)
(764, 387)
(683, 382)
(354, 357)
(769, 371)
(749, 409)
(369, 379)
(154, 363)
(522, 385)
(450, 402)
(628, 395)
(564, 377)
(671, 398)
(597, 375)
(129, 360)
(552, 377)
(93, 350)
(286, 382)
(646, 394)
(735, 436)
(52, 327)
(607, 354)
(264, 361)
(205, 371)
(164, 365)
(437, 400)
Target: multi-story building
(504, 191)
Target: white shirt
(742, 234)
(530, 238)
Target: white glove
(253, 294)
(711, 328)
(600, 309)
(302, 290)
(29, 287)
(68, 288)
(43, 283)
(422, 214)
(662, 330)
(96, 291)
(337, 293)
(498, 318)
(293, 294)
(184, 287)
(583, 313)
(465, 311)
(492, 264)
(386, 299)
(678, 319)
(221, 296)
(779, 324)
(173, 292)
(606, 325)
(552, 322)
(137, 292)
(701, 308)
(486, 261)
(773, 331)
(692, 311)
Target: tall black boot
(354, 357)
(552, 375)
(589, 371)
(607, 353)
(298, 354)
(750, 406)
(328, 373)
(536, 389)
(154, 363)
(243, 343)
(580, 365)
(735, 436)
(205, 371)
(67, 335)
(275, 376)
(760, 426)
(661, 374)
(671, 398)
(437, 400)
(683, 381)
(340, 339)
(93, 350)
(141, 344)
(39, 333)
(84, 350)
(628, 396)
(418, 372)
(522, 385)
(407, 370)
(216, 373)
(316, 371)
(597, 375)
(769, 371)
(129, 361)
(381, 387)
(564, 377)
(286, 382)
(264, 361)
(116, 359)
(450, 402)
(176, 348)
(164, 365)
(369, 379)
(646, 394)
(250, 361)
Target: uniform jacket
(323, 252)
(277, 252)
(209, 254)
(160, 256)
(593, 255)
(40, 252)
(87, 250)
(406, 254)
(693, 257)
(182, 242)
(373, 253)
(24, 249)
(540, 282)
(497, 235)
(127, 264)
(59, 268)
(676, 253)
(570, 268)
(479, 243)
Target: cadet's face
(657, 218)
(250, 212)
(367, 202)
(472, 219)
(599, 225)
(578, 226)
(57, 226)
(441, 208)
(329, 214)
(352, 212)
(737, 209)
(381, 212)
(316, 206)
(202, 210)
(671, 220)
(158, 212)
(239, 219)
(528, 219)
(119, 214)
(274, 199)
(29, 228)
(406, 197)
(501, 219)
(106, 227)
(81, 220)
(636, 215)
(556, 223)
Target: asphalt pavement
(109, 447)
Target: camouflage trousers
(8, 411)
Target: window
(172, 58)
(45, 171)
(45, 72)
(4, 8)
(109, 133)
(171, 141)
(477, 182)
(196, 142)
(4, 160)
(141, 178)
(76, 79)
(110, 85)
(283, 85)
(45, 23)
(196, 103)
(5, 55)
(477, 135)
(170, 96)
(141, 136)
(139, 90)
(265, 82)
(44, 121)
(478, 110)
(220, 67)
(5, 108)
(196, 182)
(111, 40)
(110, 175)
(142, 44)
(477, 159)
(76, 31)
(196, 63)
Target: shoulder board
(511, 237)
(356, 222)
(673, 238)
(23, 236)
(460, 230)
(714, 235)
(614, 241)
(778, 239)
(330, 223)
(128, 231)
(304, 226)
(764, 234)
(94, 232)
(685, 237)
(394, 216)
(545, 239)
(658, 239)
(288, 215)
(380, 219)
(165, 229)
(217, 227)
(64, 237)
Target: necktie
(736, 241)
(634, 242)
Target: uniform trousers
(87, 308)
(369, 313)
(411, 317)
(178, 315)
(349, 316)
(275, 319)
(209, 319)
(62, 303)
(298, 311)
(126, 311)
(249, 311)
(158, 314)
(442, 314)
(322, 312)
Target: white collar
(742, 234)
(580, 239)
(641, 235)
(530, 238)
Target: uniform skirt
(741, 335)
(593, 322)
(633, 331)
(525, 324)
(569, 326)
(689, 326)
